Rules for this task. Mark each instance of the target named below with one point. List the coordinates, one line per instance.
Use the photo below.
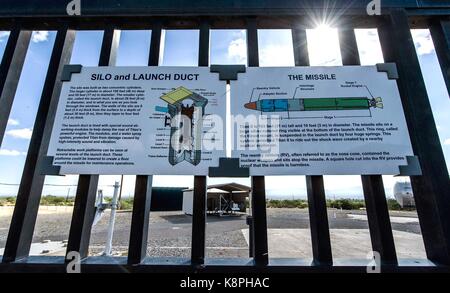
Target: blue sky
(180, 48)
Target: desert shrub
(393, 205)
(51, 200)
(346, 204)
(7, 201)
(126, 204)
(287, 203)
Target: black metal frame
(431, 190)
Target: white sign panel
(318, 120)
(139, 120)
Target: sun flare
(323, 45)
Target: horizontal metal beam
(27, 8)
(272, 21)
(54, 264)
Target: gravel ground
(170, 232)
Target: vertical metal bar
(349, 47)
(261, 252)
(198, 221)
(374, 195)
(83, 215)
(299, 41)
(252, 43)
(137, 250)
(200, 187)
(251, 235)
(318, 218)
(440, 32)
(10, 70)
(317, 205)
(253, 61)
(155, 45)
(110, 44)
(432, 189)
(31, 184)
(203, 50)
(378, 218)
(84, 207)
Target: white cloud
(447, 141)
(277, 55)
(237, 49)
(422, 40)
(24, 133)
(11, 153)
(39, 36)
(3, 36)
(13, 122)
(369, 46)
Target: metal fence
(431, 190)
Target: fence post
(440, 32)
(258, 196)
(28, 197)
(137, 250)
(200, 182)
(375, 198)
(84, 208)
(432, 189)
(10, 70)
(317, 205)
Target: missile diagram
(314, 104)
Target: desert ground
(170, 233)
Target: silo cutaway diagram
(185, 107)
